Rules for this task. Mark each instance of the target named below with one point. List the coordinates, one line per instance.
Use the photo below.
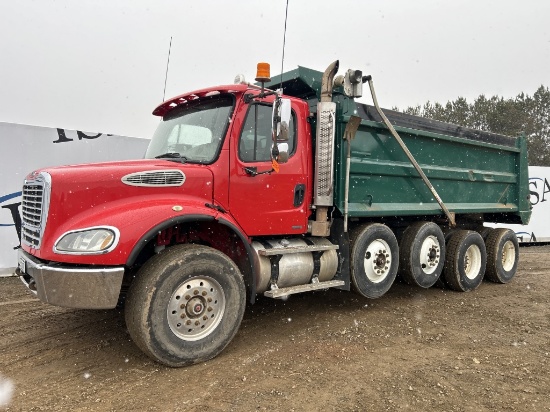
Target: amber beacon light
(262, 73)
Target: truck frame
(251, 190)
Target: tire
(465, 261)
(440, 283)
(422, 254)
(485, 232)
(448, 233)
(374, 259)
(212, 294)
(502, 255)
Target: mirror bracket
(253, 171)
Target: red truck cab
(208, 165)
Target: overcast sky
(100, 65)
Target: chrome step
(296, 249)
(279, 293)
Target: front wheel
(185, 305)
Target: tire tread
(493, 258)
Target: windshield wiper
(172, 155)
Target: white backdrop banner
(26, 148)
(538, 229)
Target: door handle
(299, 194)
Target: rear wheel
(185, 305)
(465, 261)
(422, 254)
(502, 255)
(440, 283)
(485, 232)
(374, 262)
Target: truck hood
(80, 192)
(99, 183)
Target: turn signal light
(262, 73)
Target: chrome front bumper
(85, 288)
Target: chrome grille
(155, 178)
(34, 205)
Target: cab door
(263, 201)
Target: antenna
(167, 64)
(284, 41)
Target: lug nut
(205, 317)
(209, 299)
(210, 309)
(182, 316)
(182, 306)
(197, 323)
(195, 292)
(188, 322)
(204, 293)
(187, 297)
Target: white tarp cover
(26, 148)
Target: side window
(255, 143)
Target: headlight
(94, 240)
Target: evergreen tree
(524, 114)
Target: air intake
(156, 178)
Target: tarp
(26, 148)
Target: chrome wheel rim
(196, 308)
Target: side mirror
(281, 119)
(281, 129)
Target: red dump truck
(273, 189)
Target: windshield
(194, 132)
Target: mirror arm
(249, 97)
(253, 171)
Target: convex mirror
(281, 119)
(281, 125)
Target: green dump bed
(474, 172)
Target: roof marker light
(262, 73)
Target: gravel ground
(413, 349)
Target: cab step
(282, 292)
